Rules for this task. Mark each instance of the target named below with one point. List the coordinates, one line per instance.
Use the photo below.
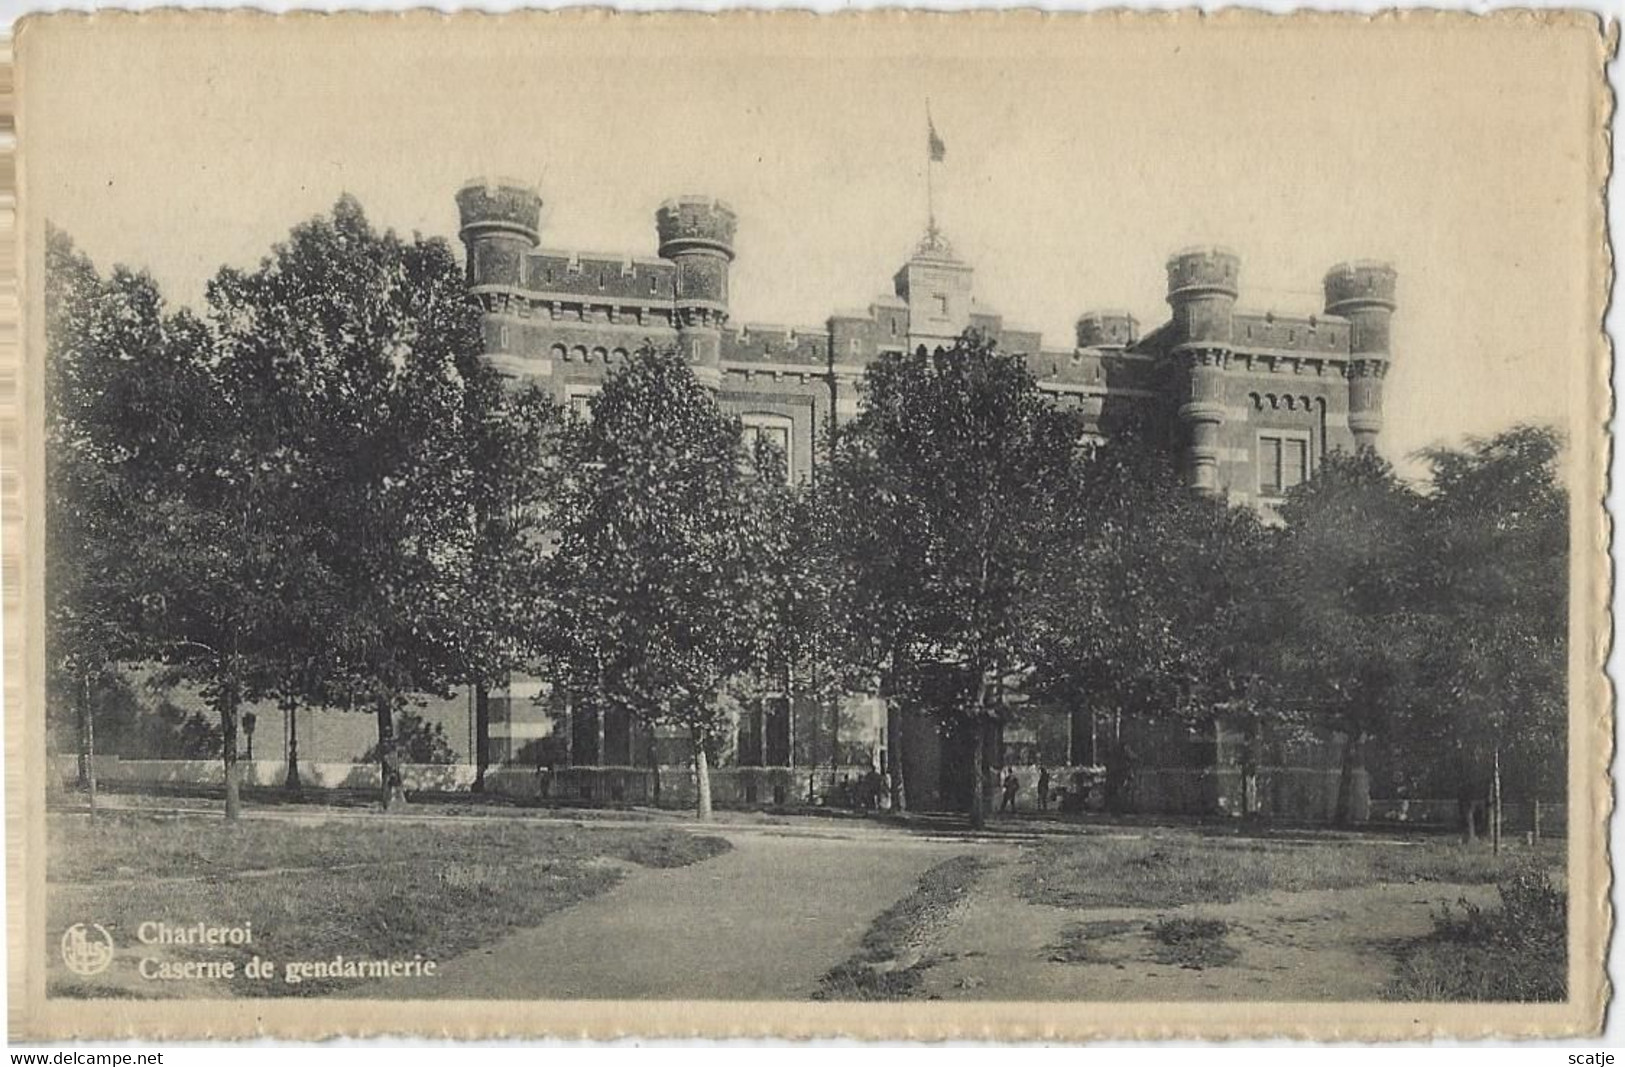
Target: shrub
(1193, 943)
(1517, 952)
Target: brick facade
(1252, 400)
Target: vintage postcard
(887, 525)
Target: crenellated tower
(697, 234)
(501, 224)
(1363, 293)
(1202, 290)
(1107, 329)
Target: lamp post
(249, 719)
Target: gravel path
(762, 922)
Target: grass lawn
(1171, 869)
(1517, 952)
(362, 889)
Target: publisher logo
(87, 948)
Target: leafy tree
(963, 465)
(359, 353)
(512, 451)
(1150, 608)
(656, 589)
(797, 536)
(88, 623)
(1343, 598)
(160, 550)
(1492, 578)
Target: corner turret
(1107, 329)
(501, 224)
(1202, 289)
(697, 234)
(1363, 292)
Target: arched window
(619, 353)
(579, 352)
(600, 354)
(557, 351)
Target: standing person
(871, 789)
(1012, 784)
(1043, 789)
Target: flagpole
(930, 162)
(930, 197)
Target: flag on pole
(934, 143)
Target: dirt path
(762, 922)
(1318, 945)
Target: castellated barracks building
(1252, 401)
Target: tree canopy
(962, 466)
(319, 490)
(658, 586)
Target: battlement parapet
(696, 223)
(607, 275)
(765, 343)
(1107, 328)
(1313, 333)
(499, 204)
(1021, 340)
(1203, 269)
(1361, 283)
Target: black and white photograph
(783, 524)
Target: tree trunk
(389, 756)
(482, 736)
(1353, 762)
(1119, 778)
(652, 753)
(894, 755)
(1249, 770)
(228, 749)
(90, 747)
(702, 778)
(978, 794)
(291, 783)
(1495, 805)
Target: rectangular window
(580, 401)
(748, 751)
(1269, 466)
(776, 731)
(584, 750)
(1283, 462)
(1295, 463)
(942, 303)
(775, 433)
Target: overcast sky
(1079, 154)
